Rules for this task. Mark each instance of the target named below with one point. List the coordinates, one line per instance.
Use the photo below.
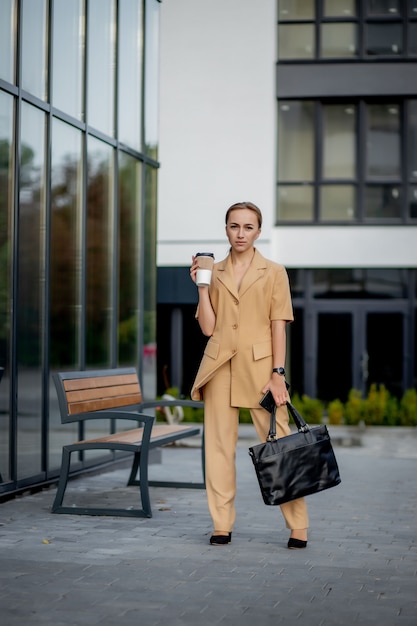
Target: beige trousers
(221, 433)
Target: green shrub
(335, 412)
(354, 408)
(408, 408)
(311, 409)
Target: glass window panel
(412, 203)
(8, 41)
(338, 40)
(412, 141)
(6, 238)
(295, 141)
(384, 39)
(65, 273)
(339, 8)
(339, 155)
(152, 78)
(413, 38)
(129, 258)
(150, 273)
(130, 73)
(383, 141)
(66, 186)
(383, 201)
(295, 203)
(358, 283)
(34, 47)
(31, 279)
(383, 7)
(337, 202)
(100, 72)
(296, 41)
(67, 60)
(99, 252)
(296, 9)
(413, 8)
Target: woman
(244, 311)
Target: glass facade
(78, 199)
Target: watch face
(280, 371)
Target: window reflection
(65, 292)
(384, 39)
(99, 252)
(412, 203)
(149, 321)
(337, 202)
(338, 40)
(383, 141)
(412, 141)
(413, 38)
(129, 258)
(31, 278)
(339, 8)
(34, 47)
(152, 78)
(68, 56)
(296, 41)
(296, 9)
(8, 41)
(296, 141)
(6, 212)
(339, 126)
(383, 201)
(383, 7)
(360, 283)
(295, 202)
(130, 73)
(101, 61)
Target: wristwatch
(279, 370)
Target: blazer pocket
(212, 349)
(262, 350)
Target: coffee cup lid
(205, 254)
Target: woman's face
(242, 229)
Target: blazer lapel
(226, 276)
(255, 271)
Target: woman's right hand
(193, 269)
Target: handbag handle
(299, 421)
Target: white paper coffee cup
(205, 261)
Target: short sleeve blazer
(242, 332)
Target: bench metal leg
(140, 460)
(169, 483)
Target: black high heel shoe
(296, 544)
(220, 540)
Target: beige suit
(236, 364)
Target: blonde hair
(245, 205)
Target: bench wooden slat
(72, 384)
(104, 392)
(102, 404)
(128, 436)
(135, 434)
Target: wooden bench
(116, 394)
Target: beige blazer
(242, 334)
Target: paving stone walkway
(360, 566)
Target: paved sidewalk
(359, 567)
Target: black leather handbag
(297, 465)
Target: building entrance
(355, 346)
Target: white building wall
(217, 121)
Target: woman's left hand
(278, 389)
